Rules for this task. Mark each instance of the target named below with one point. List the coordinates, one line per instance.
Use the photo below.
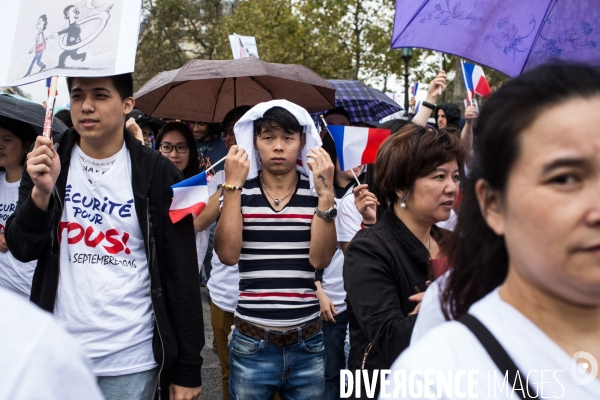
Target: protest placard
(243, 46)
(67, 38)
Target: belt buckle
(281, 338)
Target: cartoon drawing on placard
(85, 34)
(40, 44)
(71, 41)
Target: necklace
(277, 201)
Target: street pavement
(211, 369)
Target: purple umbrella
(510, 36)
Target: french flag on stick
(356, 146)
(415, 89)
(475, 79)
(189, 197)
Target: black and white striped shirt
(277, 285)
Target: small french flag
(414, 89)
(357, 146)
(475, 79)
(189, 197)
(48, 83)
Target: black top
(384, 265)
(211, 151)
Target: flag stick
(50, 107)
(442, 64)
(325, 124)
(462, 65)
(355, 177)
(215, 164)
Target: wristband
(428, 105)
(232, 187)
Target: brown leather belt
(279, 338)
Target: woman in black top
(417, 173)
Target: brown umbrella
(205, 90)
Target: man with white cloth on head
(277, 223)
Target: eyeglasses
(168, 148)
(227, 132)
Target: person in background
(337, 116)
(330, 282)
(112, 267)
(37, 356)
(526, 260)
(447, 115)
(176, 142)
(210, 147)
(148, 126)
(65, 116)
(223, 284)
(388, 265)
(16, 138)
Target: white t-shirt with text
(38, 359)
(14, 275)
(104, 285)
(452, 349)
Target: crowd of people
(472, 243)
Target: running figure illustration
(71, 42)
(40, 44)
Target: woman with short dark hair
(525, 282)
(392, 261)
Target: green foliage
(338, 39)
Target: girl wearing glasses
(176, 142)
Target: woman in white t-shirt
(224, 281)
(525, 287)
(15, 140)
(176, 142)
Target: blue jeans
(259, 369)
(334, 334)
(138, 386)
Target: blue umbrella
(363, 103)
(510, 36)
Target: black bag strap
(498, 355)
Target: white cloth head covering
(244, 135)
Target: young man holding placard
(116, 273)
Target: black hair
(338, 110)
(235, 114)
(394, 124)
(452, 113)
(277, 117)
(65, 116)
(43, 17)
(193, 167)
(123, 83)
(66, 11)
(24, 131)
(479, 257)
